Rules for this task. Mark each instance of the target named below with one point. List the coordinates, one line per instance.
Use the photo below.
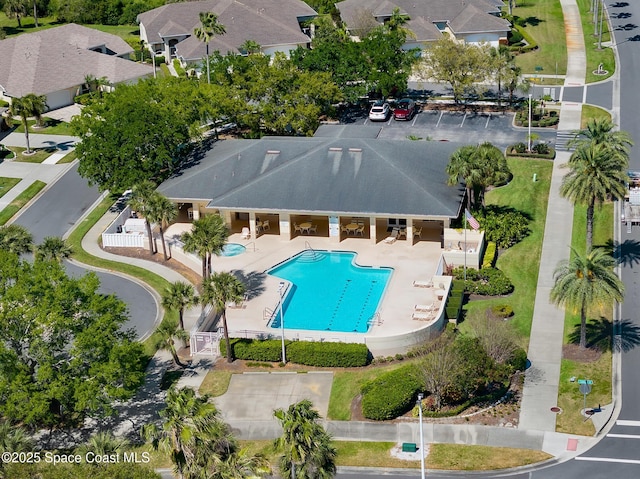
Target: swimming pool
(232, 249)
(329, 292)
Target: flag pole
(465, 245)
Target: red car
(405, 109)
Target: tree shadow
(533, 21)
(619, 4)
(635, 38)
(602, 336)
(627, 27)
(253, 281)
(627, 252)
(621, 15)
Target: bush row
(454, 304)
(485, 281)
(489, 257)
(392, 394)
(309, 353)
(531, 43)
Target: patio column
(372, 230)
(252, 225)
(285, 226)
(410, 230)
(334, 229)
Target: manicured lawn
(6, 184)
(545, 23)
(68, 158)
(441, 456)
(522, 261)
(595, 56)
(346, 386)
(589, 111)
(22, 199)
(28, 24)
(50, 127)
(215, 383)
(5, 153)
(38, 157)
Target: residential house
(56, 62)
(471, 21)
(275, 25)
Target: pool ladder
(308, 247)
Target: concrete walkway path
(542, 379)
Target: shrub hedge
(489, 258)
(486, 281)
(392, 394)
(309, 353)
(502, 310)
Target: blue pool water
(232, 249)
(329, 292)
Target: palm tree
(306, 447)
(597, 174)
(162, 212)
(15, 9)
(218, 290)
(141, 202)
(207, 238)
(185, 420)
(28, 106)
(53, 248)
(584, 282)
(600, 131)
(209, 27)
(13, 438)
(240, 464)
(177, 297)
(15, 239)
(165, 336)
(103, 443)
(479, 167)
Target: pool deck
(411, 263)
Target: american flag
(471, 220)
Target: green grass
(346, 386)
(68, 158)
(28, 24)
(441, 456)
(595, 56)
(522, 261)
(51, 127)
(38, 157)
(546, 26)
(589, 112)
(215, 383)
(22, 199)
(6, 184)
(129, 33)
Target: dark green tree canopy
(63, 353)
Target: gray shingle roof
(59, 58)
(471, 20)
(429, 10)
(267, 22)
(323, 175)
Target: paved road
(55, 212)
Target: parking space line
(439, 118)
(415, 117)
(463, 119)
(389, 122)
(365, 121)
(488, 118)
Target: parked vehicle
(405, 109)
(379, 111)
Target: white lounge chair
(422, 316)
(392, 237)
(423, 284)
(424, 307)
(246, 233)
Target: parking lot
(461, 127)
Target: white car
(379, 111)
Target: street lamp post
(420, 396)
(280, 288)
(529, 136)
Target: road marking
(625, 436)
(439, 118)
(463, 119)
(607, 459)
(415, 117)
(625, 422)
(365, 121)
(390, 118)
(488, 118)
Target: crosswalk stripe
(607, 459)
(626, 422)
(625, 436)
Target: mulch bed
(574, 352)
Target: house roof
(323, 175)
(430, 11)
(471, 20)
(267, 22)
(58, 58)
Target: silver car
(379, 111)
